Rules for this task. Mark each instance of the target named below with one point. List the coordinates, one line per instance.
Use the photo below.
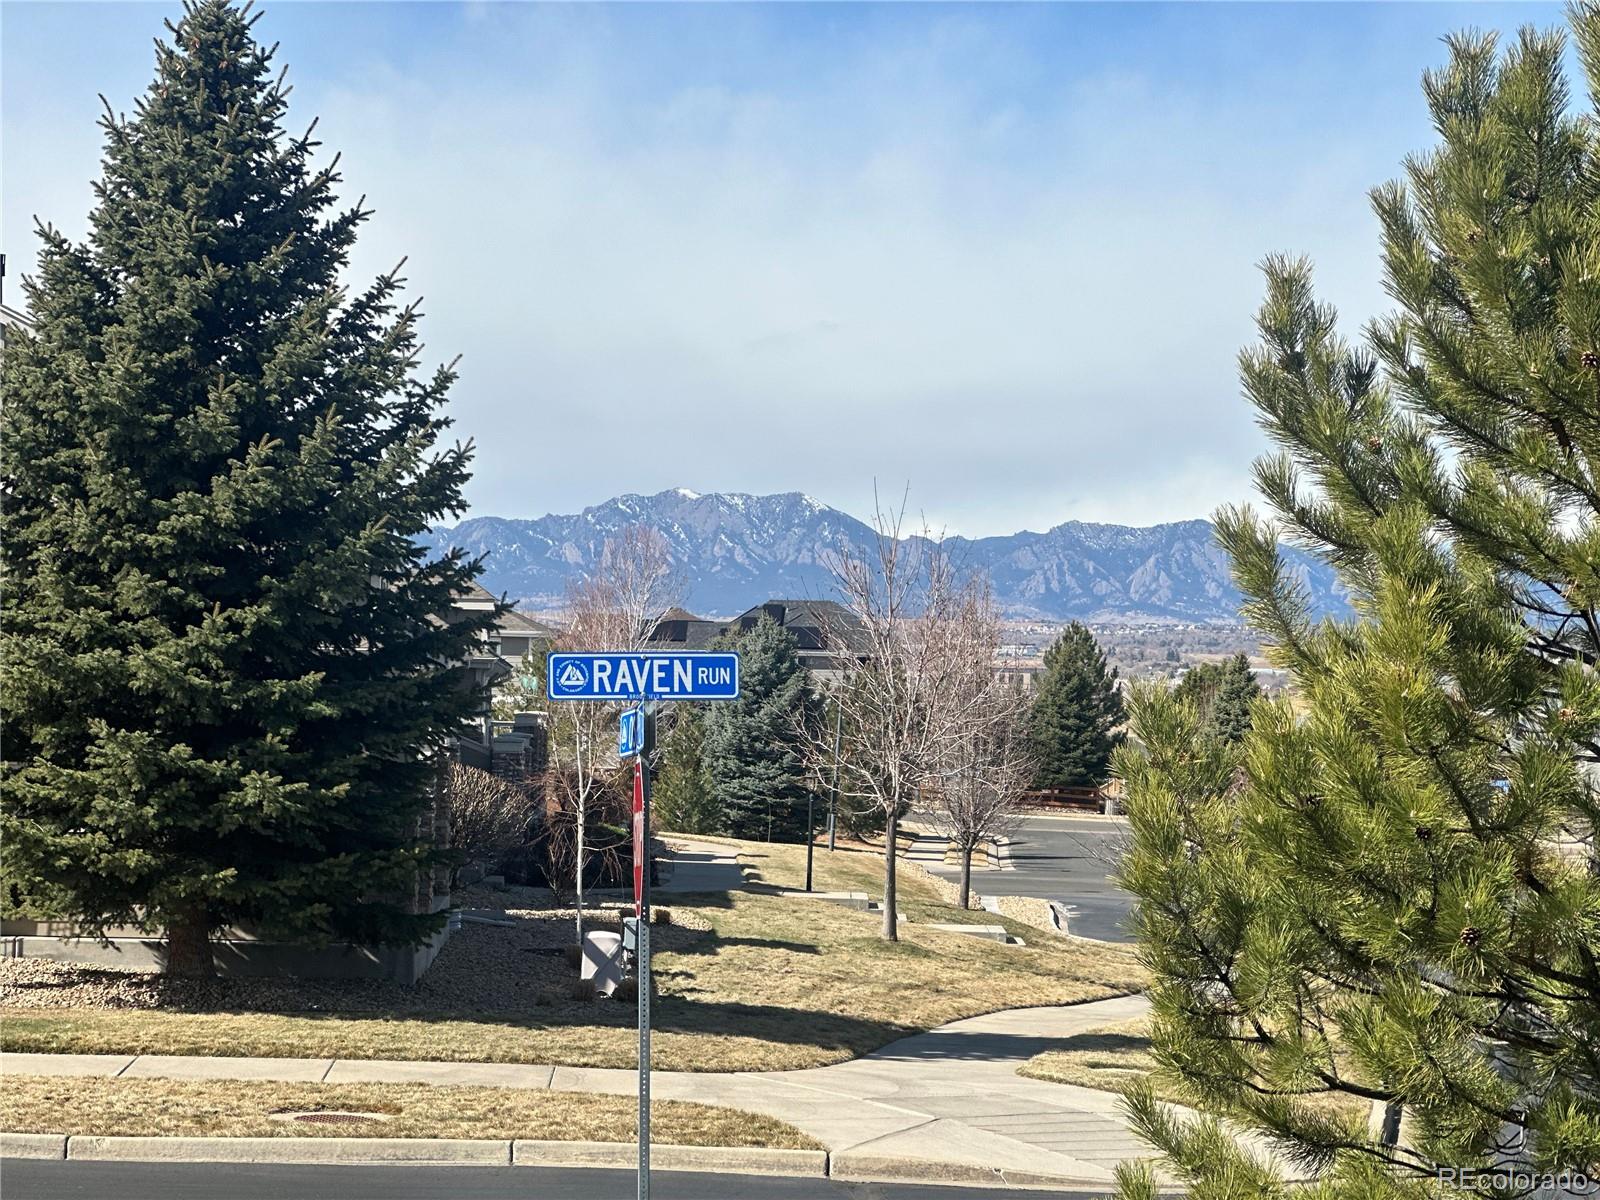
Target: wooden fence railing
(1083, 799)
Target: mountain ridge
(736, 549)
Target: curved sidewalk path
(949, 1096)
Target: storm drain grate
(330, 1118)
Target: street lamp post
(811, 834)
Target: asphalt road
(1067, 859)
(31, 1179)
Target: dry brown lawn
(774, 984)
(1108, 1058)
(1111, 1057)
(231, 1108)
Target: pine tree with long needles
(1374, 924)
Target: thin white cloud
(1030, 313)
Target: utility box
(602, 960)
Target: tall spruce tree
(1222, 694)
(1237, 691)
(682, 796)
(228, 669)
(1394, 897)
(754, 750)
(1076, 712)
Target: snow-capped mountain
(735, 550)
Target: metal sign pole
(644, 978)
(646, 679)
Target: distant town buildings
(828, 635)
(1021, 673)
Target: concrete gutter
(858, 1167)
(745, 1160)
(359, 1151)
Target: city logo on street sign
(665, 676)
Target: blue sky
(1003, 253)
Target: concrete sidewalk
(949, 1097)
(700, 867)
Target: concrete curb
(1048, 814)
(348, 1151)
(999, 852)
(748, 1160)
(33, 1145)
(429, 1151)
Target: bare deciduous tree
(608, 802)
(615, 607)
(487, 814)
(992, 764)
(916, 690)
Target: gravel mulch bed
(504, 969)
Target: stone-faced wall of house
(522, 753)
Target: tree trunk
(891, 846)
(189, 942)
(966, 875)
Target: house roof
(700, 634)
(797, 610)
(520, 622)
(686, 632)
(678, 614)
(475, 595)
(837, 626)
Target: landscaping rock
(1041, 914)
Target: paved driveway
(1068, 859)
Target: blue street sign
(665, 676)
(630, 732)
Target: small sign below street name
(630, 732)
